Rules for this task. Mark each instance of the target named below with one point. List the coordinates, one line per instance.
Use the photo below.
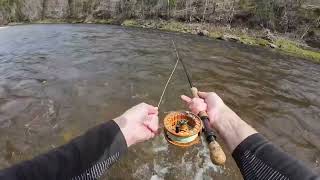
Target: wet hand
(139, 123)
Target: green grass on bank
(175, 27)
(291, 47)
(245, 39)
(131, 23)
(287, 46)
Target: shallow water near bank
(56, 81)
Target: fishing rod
(217, 155)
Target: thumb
(152, 110)
(152, 123)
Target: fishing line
(172, 72)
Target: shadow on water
(56, 81)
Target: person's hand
(209, 102)
(227, 123)
(139, 123)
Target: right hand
(227, 123)
(209, 102)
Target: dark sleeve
(257, 158)
(85, 157)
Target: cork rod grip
(217, 154)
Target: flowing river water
(56, 81)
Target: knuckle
(212, 94)
(140, 105)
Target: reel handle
(217, 154)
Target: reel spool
(182, 128)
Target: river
(56, 81)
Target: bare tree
(168, 8)
(315, 24)
(142, 8)
(231, 12)
(204, 11)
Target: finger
(193, 109)
(157, 133)
(147, 105)
(153, 111)
(152, 123)
(142, 107)
(198, 101)
(148, 135)
(150, 109)
(186, 98)
(203, 94)
(153, 135)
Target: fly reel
(182, 128)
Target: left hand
(139, 123)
